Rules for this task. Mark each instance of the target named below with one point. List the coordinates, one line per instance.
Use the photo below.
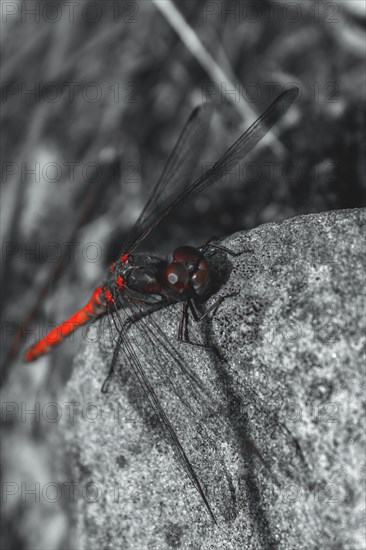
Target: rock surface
(276, 433)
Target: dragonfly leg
(210, 244)
(198, 318)
(104, 387)
(183, 337)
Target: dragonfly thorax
(184, 276)
(140, 273)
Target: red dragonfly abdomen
(92, 309)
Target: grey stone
(276, 430)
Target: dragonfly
(141, 283)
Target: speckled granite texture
(276, 433)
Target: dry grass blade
(213, 69)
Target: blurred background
(94, 95)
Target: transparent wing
(178, 170)
(176, 395)
(221, 169)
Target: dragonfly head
(187, 273)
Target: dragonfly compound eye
(200, 277)
(177, 276)
(187, 255)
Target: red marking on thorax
(96, 296)
(119, 282)
(108, 296)
(124, 258)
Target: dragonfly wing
(178, 169)
(246, 143)
(147, 381)
(167, 387)
(158, 339)
(229, 160)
